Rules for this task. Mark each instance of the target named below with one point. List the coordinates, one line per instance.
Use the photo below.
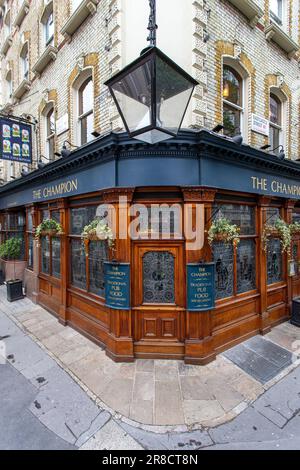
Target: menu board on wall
(117, 285)
(200, 287)
(15, 141)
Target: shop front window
(236, 267)
(51, 247)
(223, 257)
(45, 254)
(98, 253)
(87, 264)
(14, 226)
(159, 278)
(274, 262)
(246, 275)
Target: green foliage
(46, 226)
(281, 230)
(11, 249)
(99, 231)
(222, 230)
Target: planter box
(12, 272)
(14, 290)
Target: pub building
(156, 314)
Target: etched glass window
(98, 254)
(274, 261)
(241, 215)
(45, 254)
(30, 251)
(246, 266)
(56, 257)
(159, 278)
(80, 217)
(78, 267)
(223, 257)
(272, 214)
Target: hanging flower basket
(48, 227)
(96, 231)
(222, 230)
(295, 228)
(280, 230)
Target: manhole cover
(260, 358)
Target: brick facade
(218, 30)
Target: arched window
(50, 132)
(7, 22)
(275, 122)
(48, 21)
(86, 110)
(232, 101)
(277, 10)
(9, 85)
(24, 56)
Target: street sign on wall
(15, 140)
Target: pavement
(59, 391)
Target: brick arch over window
(44, 104)
(89, 61)
(227, 49)
(271, 81)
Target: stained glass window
(272, 214)
(56, 257)
(98, 253)
(246, 266)
(241, 215)
(45, 254)
(80, 217)
(223, 257)
(159, 278)
(274, 261)
(78, 269)
(30, 251)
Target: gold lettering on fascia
(60, 189)
(275, 186)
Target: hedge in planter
(11, 251)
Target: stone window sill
(24, 86)
(48, 55)
(252, 11)
(274, 33)
(6, 45)
(85, 9)
(22, 13)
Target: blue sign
(15, 141)
(200, 287)
(117, 285)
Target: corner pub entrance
(253, 289)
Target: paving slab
(111, 437)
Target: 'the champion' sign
(15, 141)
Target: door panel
(158, 292)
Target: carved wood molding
(198, 195)
(113, 195)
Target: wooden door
(158, 299)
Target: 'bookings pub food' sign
(15, 141)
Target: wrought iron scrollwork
(152, 26)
